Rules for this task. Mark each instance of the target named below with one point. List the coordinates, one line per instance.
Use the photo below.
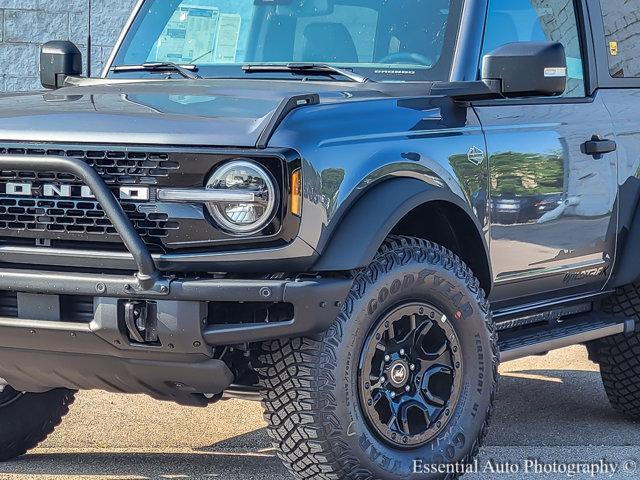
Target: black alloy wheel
(410, 375)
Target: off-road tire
(309, 390)
(30, 419)
(619, 355)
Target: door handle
(598, 146)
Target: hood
(167, 112)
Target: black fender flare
(356, 239)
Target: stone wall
(27, 24)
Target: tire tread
(619, 355)
(52, 415)
(296, 375)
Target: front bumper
(40, 349)
(316, 302)
(38, 355)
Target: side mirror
(527, 69)
(58, 60)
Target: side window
(538, 21)
(622, 27)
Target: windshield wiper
(187, 71)
(303, 68)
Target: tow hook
(141, 320)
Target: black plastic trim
(626, 268)
(538, 307)
(390, 202)
(316, 306)
(536, 341)
(287, 106)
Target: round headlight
(243, 179)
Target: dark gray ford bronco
(349, 209)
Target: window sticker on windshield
(227, 38)
(190, 34)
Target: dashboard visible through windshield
(385, 40)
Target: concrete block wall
(26, 24)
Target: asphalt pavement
(552, 416)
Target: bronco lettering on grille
(49, 190)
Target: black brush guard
(147, 274)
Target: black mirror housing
(527, 69)
(58, 60)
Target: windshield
(385, 40)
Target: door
(551, 201)
(618, 48)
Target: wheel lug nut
(387, 358)
(407, 388)
(402, 351)
(412, 367)
(382, 379)
(393, 394)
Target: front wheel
(402, 384)
(26, 419)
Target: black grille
(116, 168)
(77, 217)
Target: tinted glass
(394, 39)
(538, 21)
(622, 27)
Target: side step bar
(539, 340)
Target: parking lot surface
(550, 408)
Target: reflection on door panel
(551, 205)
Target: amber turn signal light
(296, 192)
